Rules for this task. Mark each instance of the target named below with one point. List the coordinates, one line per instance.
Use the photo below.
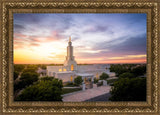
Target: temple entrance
(88, 80)
(88, 83)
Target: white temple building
(71, 70)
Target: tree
(135, 69)
(32, 66)
(118, 69)
(26, 79)
(126, 75)
(43, 90)
(95, 80)
(19, 67)
(78, 80)
(47, 78)
(32, 70)
(126, 89)
(15, 75)
(104, 76)
(121, 68)
(141, 70)
(29, 77)
(43, 66)
(19, 85)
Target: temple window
(72, 67)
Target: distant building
(71, 70)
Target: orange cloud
(129, 57)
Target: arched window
(72, 67)
(60, 69)
(71, 78)
(64, 69)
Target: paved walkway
(87, 94)
(104, 97)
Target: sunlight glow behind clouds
(96, 37)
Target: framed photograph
(72, 57)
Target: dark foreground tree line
(28, 87)
(46, 89)
(128, 87)
(131, 83)
(135, 69)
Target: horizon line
(81, 63)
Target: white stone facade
(70, 70)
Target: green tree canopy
(19, 85)
(104, 76)
(28, 76)
(95, 80)
(126, 75)
(15, 75)
(126, 89)
(43, 90)
(32, 70)
(26, 79)
(43, 66)
(19, 67)
(138, 71)
(33, 66)
(135, 69)
(47, 78)
(119, 68)
(78, 80)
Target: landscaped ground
(88, 94)
(70, 90)
(104, 97)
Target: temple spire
(69, 38)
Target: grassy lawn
(69, 90)
(70, 85)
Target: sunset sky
(96, 38)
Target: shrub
(78, 80)
(104, 76)
(95, 80)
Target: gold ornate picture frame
(9, 7)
